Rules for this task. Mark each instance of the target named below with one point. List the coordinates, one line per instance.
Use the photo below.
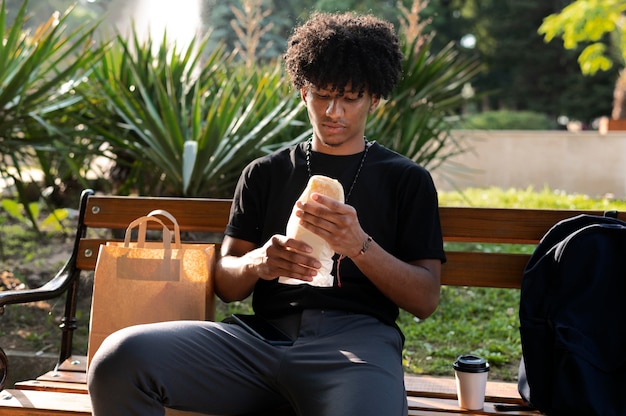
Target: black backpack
(573, 319)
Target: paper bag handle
(141, 237)
(170, 217)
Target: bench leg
(4, 369)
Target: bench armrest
(52, 289)
(65, 281)
(59, 284)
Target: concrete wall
(576, 162)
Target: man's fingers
(288, 257)
(290, 244)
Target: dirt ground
(30, 333)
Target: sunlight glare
(181, 19)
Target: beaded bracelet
(366, 246)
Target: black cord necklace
(309, 146)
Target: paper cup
(471, 380)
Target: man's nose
(334, 108)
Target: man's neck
(349, 147)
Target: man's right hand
(242, 263)
(284, 256)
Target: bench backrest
(463, 225)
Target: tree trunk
(619, 97)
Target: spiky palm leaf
(38, 72)
(414, 121)
(188, 126)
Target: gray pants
(341, 364)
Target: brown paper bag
(144, 282)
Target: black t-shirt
(396, 203)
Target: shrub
(508, 120)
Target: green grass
(527, 198)
(469, 320)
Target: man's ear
(374, 103)
(303, 94)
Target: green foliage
(414, 121)
(18, 211)
(224, 310)
(187, 128)
(24, 243)
(527, 198)
(3, 221)
(186, 123)
(521, 71)
(600, 25)
(587, 21)
(38, 72)
(12, 208)
(507, 120)
(37, 340)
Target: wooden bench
(62, 391)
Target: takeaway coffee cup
(471, 380)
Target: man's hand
(335, 222)
(283, 256)
(242, 264)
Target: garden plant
(38, 73)
(184, 120)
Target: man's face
(338, 119)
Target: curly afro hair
(331, 50)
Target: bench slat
(52, 386)
(425, 394)
(496, 269)
(502, 225)
(72, 377)
(501, 270)
(77, 363)
(445, 388)
(49, 403)
(193, 214)
(43, 403)
(425, 405)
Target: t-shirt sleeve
(246, 210)
(420, 235)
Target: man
(345, 354)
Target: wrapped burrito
(321, 250)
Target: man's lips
(333, 126)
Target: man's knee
(119, 354)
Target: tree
(601, 24)
(521, 71)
